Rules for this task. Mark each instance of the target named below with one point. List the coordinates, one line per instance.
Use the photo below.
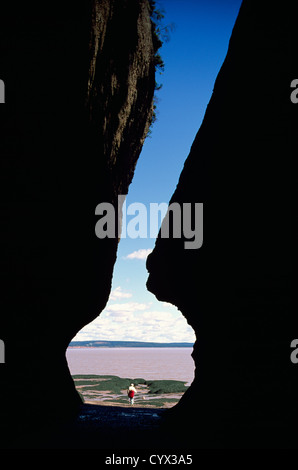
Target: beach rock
(79, 84)
(235, 291)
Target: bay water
(147, 363)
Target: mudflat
(111, 390)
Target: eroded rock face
(235, 291)
(79, 81)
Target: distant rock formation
(235, 291)
(79, 83)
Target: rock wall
(235, 291)
(79, 81)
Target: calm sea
(146, 363)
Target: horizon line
(104, 342)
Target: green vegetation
(105, 382)
(160, 402)
(161, 34)
(112, 389)
(166, 386)
(117, 384)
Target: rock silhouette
(235, 291)
(79, 81)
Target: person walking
(131, 393)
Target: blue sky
(192, 57)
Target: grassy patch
(166, 386)
(117, 384)
(111, 382)
(160, 402)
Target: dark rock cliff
(79, 80)
(235, 291)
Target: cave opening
(132, 313)
(135, 339)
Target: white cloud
(135, 322)
(167, 304)
(128, 307)
(140, 254)
(123, 312)
(154, 316)
(119, 294)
